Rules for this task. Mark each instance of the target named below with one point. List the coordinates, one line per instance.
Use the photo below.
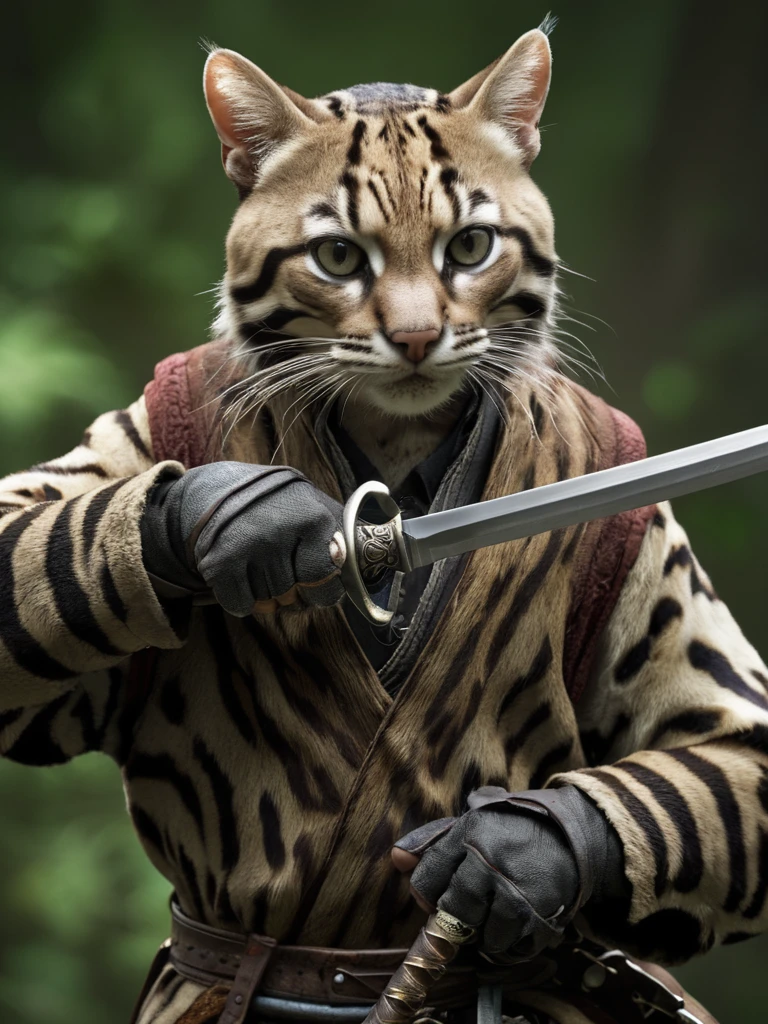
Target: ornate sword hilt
(372, 550)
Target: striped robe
(267, 770)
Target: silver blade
(593, 496)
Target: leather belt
(209, 955)
(312, 974)
(312, 983)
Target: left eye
(338, 256)
(470, 247)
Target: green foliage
(74, 369)
(113, 210)
(83, 909)
(671, 389)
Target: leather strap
(345, 977)
(155, 970)
(258, 953)
(340, 977)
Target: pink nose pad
(415, 342)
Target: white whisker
(505, 384)
(576, 273)
(262, 391)
(500, 408)
(325, 386)
(357, 384)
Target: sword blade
(568, 502)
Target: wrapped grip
(436, 945)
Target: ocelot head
(389, 242)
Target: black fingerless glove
(518, 866)
(256, 537)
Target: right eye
(338, 256)
(469, 248)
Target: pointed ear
(512, 91)
(252, 115)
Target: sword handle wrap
(372, 549)
(435, 947)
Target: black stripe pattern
(688, 696)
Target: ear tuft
(251, 113)
(207, 45)
(512, 91)
(549, 24)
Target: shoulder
(609, 547)
(185, 373)
(618, 436)
(181, 399)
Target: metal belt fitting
(647, 992)
(275, 1010)
(270, 1008)
(489, 1004)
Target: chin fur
(413, 396)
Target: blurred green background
(113, 209)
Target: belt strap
(625, 988)
(210, 955)
(207, 955)
(314, 974)
(258, 953)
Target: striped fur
(267, 770)
(268, 748)
(677, 716)
(397, 171)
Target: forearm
(89, 716)
(76, 596)
(694, 830)
(675, 725)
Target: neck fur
(396, 444)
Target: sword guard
(373, 549)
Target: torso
(262, 735)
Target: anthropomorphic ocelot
(171, 593)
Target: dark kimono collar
(419, 488)
(454, 474)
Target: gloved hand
(516, 866)
(258, 537)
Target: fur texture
(267, 770)
(296, 757)
(397, 173)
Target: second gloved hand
(258, 537)
(516, 866)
